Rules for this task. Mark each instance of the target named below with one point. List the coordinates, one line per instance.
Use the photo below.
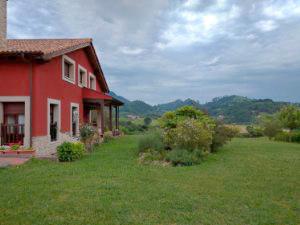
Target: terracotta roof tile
(42, 46)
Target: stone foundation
(45, 148)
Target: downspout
(30, 94)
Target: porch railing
(12, 133)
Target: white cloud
(213, 61)
(266, 25)
(131, 51)
(198, 26)
(281, 9)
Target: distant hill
(234, 109)
(237, 109)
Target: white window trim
(81, 68)
(92, 75)
(55, 102)
(71, 61)
(74, 105)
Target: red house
(48, 88)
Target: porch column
(102, 116)
(110, 119)
(118, 115)
(116, 118)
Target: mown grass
(251, 181)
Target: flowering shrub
(191, 134)
(89, 136)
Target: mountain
(234, 109)
(122, 99)
(162, 108)
(238, 109)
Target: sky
(162, 50)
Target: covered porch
(15, 121)
(101, 111)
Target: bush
(89, 136)
(283, 136)
(108, 136)
(151, 141)
(147, 121)
(68, 152)
(295, 136)
(192, 134)
(183, 157)
(222, 134)
(255, 131)
(15, 147)
(129, 127)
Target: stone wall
(45, 148)
(3, 22)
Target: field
(251, 181)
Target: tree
(147, 121)
(271, 125)
(290, 117)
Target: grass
(251, 181)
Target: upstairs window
(92, 82)
(68, 69)
(82, 76)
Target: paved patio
(12, 161)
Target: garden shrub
(15, 147)
(183, 157)
(108, 136)
(191, 134)
(222, 134)
(283, 136)
(151, 141)
(68, 152)
(89, 136)
(295, 136)
(255, 131)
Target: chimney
(3, 22)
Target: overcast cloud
(162, 50)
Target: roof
(43, 46)
(94, 95)
(45, 49)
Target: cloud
(162, 50)
(266, 25)
(131, 51)
(198, 26)
(282, 9)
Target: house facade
(48, 89)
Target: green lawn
(251, 181)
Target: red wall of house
(48, 83)
(14, 79)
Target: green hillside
(234, 109)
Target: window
(82, 76)
(92, 82)
(68, 69)
(74, 119)
(54, 119)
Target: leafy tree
(290, 117)
(271, 125)
(222, 134)
(147, 121)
